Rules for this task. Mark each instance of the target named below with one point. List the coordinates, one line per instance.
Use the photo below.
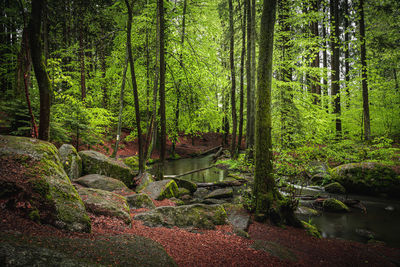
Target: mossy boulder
(183, 192)
(196, 215)
(220, 193)
(334, 205)
(311, 229)
(238, 216)
(160, 190)
(335, 188)
(306, 211)
(97, 163)
(106, 203)
(132, 162)
(71, 161)
(138, 201)
(41, 178)
(369, 178)
(143, 180)
(192, 187)
(102, 182)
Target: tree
(249, 79)
(242, 58)
(335, 64)
(135, 89)
(40, 68)
(233, 79)
(264, 184)
(162, 80)
(367, 126)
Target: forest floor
(267, 246)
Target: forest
(209, 132)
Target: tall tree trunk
(367, 125)
(162, 80)
(135, 89)
(249, 93)
(121, 106)
(103, 70)
(45, 36)
(325, 61)
(315, 86)
(40, 69)
(346, 51)
(335, 65)
(264, 183)
(82, 62)
(242, 57)
(233, 80)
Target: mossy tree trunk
(242, 56)
(162, 80)
(40, 68)
(233, 79)
(249, 93)
(264, 183)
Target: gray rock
(201, 192)
(192, 187)
(275, 249)
(334, 205)
(143, 180)
(105, 203)
(196, 215)
(97, 163)
(160, 190)
(98, 181)
(71, 161)
(335, 188)
(183, 192)
(238, 217)
(220, 193)
(212, 201)
(138, 201)
(54, 195)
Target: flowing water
(382, 217)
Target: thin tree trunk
(249, 115)
(103, 70)
(162, 80)
(135, 89)
(82, 62)
(325, 61)
(264, 183)
(347, 51)
(121, 106)
(40, 69)
(315, 86)
(335, 65)
(233, 80)
(242, 57)
(367, 126)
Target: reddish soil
(186, 146)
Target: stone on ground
(71, 161)
(182, 183)
(334, 205)
(160, 190)
(196, 215)
(106, 203)
(41, 177)
(138, 201)
(335, 188)
(143, 180)
(97, 163)
(220, 193)
(98, 181)
(238, 216)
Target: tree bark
(82, 62)
(335, 65)
(367, 125)
(135, 89)
(315, 86)
(233, 80)
(249, 93)
(264, 183)
(242, 58)
(162, 80)
(346, 51)
(40, 69)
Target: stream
(381, 219)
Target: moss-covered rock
(196, 215)
(71, 161)
(143, 180)
(105, 203)
(138, 201)
(45, 182)
(132, 162)
(192, 187)
(306, 211)
(160, 190)
(102, 182)
(335, 188)
(97, 163)
(368, 178)
(334, 205)
(220, 193)
(183, 191)
(238, 216)
(311, 229)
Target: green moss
(170, 190)
(132, 162)
(34, 215)
(335, 188)
(334, 205)
(311, 229)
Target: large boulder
(97, 163)
(98, 181)
(160, 190)
(220, 193)
(368, 178)
(238, 216)
(335, 188)
(334, 205)
(138, 201)
(71, 161)
(31, 174)
(196, 215)
(105, 203)
(182, 183)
